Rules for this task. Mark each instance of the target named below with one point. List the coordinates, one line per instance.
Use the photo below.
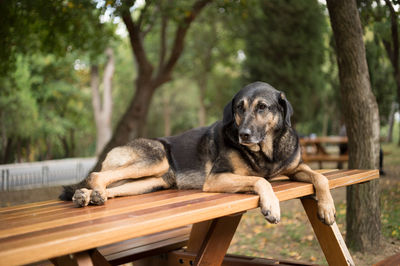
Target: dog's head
(256, 111)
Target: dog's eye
(262, 106)
(240, 107)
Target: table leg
(329, 237)
(209, 240)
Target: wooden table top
(42, 230)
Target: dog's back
(190, 155)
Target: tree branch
(163, 41)
(389, 50)
(94, 84)
(395, 36)
(144, 66)
(107, 82)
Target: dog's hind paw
(98, 197)
(81, 197)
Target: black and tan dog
(253, 143)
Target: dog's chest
(255, 165)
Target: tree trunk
(131, 125)
(7, 156)
(362, 122)
(167, 115)
(202, 113)
(103, 109)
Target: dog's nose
(245, 134)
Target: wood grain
(38, 231)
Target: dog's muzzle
(246, 137)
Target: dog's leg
(228, 182)
(326, 206)
(137, 187)
(98, 181)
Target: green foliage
(55, 26)
(377, 27)
(44, 110)
(381, 76)
(48, 46)
(285, 47)
(210, 59)
(17, 103)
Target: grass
(390, 209)
(390, 194)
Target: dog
(253, 143)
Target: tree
(392, 48)
(212, 48)
(362, 123)
(149, 79)
(285, 47)
(103, 108)
(40, 42)
(383, 20)
(43, 110)
(27, 27)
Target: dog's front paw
(270, 209)
(81, 197)
(98, 197)
(326, 211)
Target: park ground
(292, 238)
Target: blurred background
(80, 77)
(55, 54)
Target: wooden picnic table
(313, 149)
(59, 231)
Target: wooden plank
(143, 252)
(329, 237)
(37, 238)
(327, 139)
(56, 206)
(392, 260)
(31, 207)
(187, 258)
(73, 238)
(338, 178)
(85, 214)
(134, 248)
(324, 158)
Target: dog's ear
(287, 108)
(228, 114)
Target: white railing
(44, 174)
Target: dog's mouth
(250, 141)
(251, 145)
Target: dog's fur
(253, 143)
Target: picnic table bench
(313, 149)
(130, 228)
